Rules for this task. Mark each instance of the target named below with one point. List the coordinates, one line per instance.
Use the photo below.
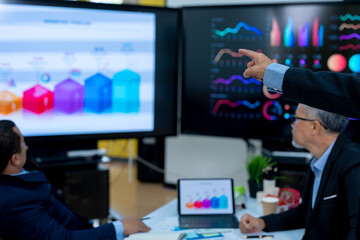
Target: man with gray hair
(330, 203)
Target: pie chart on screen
(336, 63)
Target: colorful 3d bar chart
(100, 93)
(215, 203)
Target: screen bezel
(165, 111)
(205, 179)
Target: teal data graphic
(236, 77)
(235, 30)
(350, 17)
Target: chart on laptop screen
(206, 196)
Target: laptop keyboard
(208, 222)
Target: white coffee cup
(269, 205)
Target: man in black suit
(330, 203)
(331, 91)
(29, 208)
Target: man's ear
(316, 128)
(14, 160)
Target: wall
(188, 156)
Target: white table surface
(165, 219)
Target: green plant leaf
(255, 165)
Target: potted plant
(255, 166)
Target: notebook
(206, 203)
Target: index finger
(145, 228)
(251, 54)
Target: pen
(258, 236)
(145, 218)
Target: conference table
(165, 218)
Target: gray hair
(333, 122)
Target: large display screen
(218, 100)
(86, 68)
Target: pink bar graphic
(315, 41)
(38, 99)
(275, 34)
(318, 34)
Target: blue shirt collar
(23, 171)
(318, 165)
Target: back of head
(333, 122)
(9, 142)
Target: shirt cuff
(274, 76)
(119, 230)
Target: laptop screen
(205, 196)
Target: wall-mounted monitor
(217, 100)
(85, 69)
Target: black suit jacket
(29, 210)
(330, 91)
(336, 207)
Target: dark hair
(9, 142)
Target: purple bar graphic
(69, 96)
(303, 38)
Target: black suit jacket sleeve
(294, 218)
(330, 91)
(42, 226)
(352, 189)
(38, 224)
(291, 219)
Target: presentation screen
(80, 68)
(218, 100)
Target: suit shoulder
(350, 156)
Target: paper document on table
(157, 235)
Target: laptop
(206, 203)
